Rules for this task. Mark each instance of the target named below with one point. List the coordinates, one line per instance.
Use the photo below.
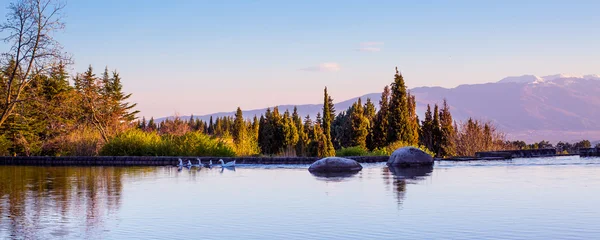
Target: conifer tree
(152, 125)
(328, 114)
(239, 127)
(290, 132)
(413, 120)
(370, 112)
(380, 126)
(426, 136)
(436, 131)
(359, 125)
(192, 123)
(448, 132)
(211, 126)
(122, 108)
(398, 116)
(143, 125)
(301, 145)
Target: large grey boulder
(409, 156)
(334, 165)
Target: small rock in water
(335, 164)
(409, 156)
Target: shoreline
(173, 160)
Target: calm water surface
(550, 198)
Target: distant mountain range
(530, 108)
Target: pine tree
(192, 123)
(211, 126)
(143, 125)
(290, 132)
(359, 125)
(301, 145)
(448, 132)
(436, 131)
(413, 120)
(380, 125)
(239, 127)
(426, 136)
(398, 116)
(123, 109)
(328, 114)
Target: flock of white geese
(209, 164)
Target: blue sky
(208, 56)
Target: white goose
(229, 164)
(189, 164)
(209, 164)
(199, 163)
(180, 163)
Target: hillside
(530, 108)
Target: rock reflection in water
(334, 176)
(29, 196)
(400, 176)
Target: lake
(545, 198)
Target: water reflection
(334, 177)
(401, 176)
(32, 198)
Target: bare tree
(30, 25)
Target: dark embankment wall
(165, 161)
(589, 152)
(518, 153)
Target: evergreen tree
(436, 131)
(122, 108)
(398, 116)
(152, 125)
(427, 130)
(448, 132)
(192, 123)
(413, 120)
(211, 126)
(290, 132)
(302, 143)
(255, 125)
(359, 125)
(239, 127)
(328, 114)
(380, 125)
(143, 125)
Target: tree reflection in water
(32, 197)
(400, 176)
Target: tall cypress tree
(328, 116)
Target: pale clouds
(370, 47)
(324, 67)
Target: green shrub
(389, 149)
(139, 143)
(352, 151)
(386, 151)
